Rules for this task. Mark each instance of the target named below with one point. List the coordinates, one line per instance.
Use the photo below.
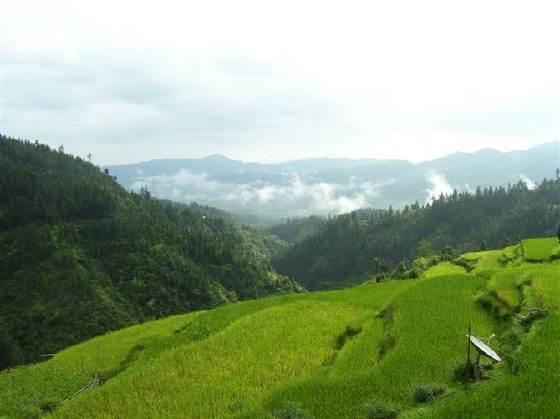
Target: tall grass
(533, 392)
(429, 326)
(229, 373)
(444, 268)
(539, 250)
(28, 391)
(325, 354)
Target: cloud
(196, 78)
(438, 185)
(294, 194)
(530, 184)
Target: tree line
(368, 241)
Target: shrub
(48, 405)
(463, 373)
(379, 410)
(427, 393)
(532, 315)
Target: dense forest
(79, 255)
(299, 228)
(367, 241)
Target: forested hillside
(367, 241)
(79, 255)
(297, 229)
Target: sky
(271, 81)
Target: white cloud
(439, 185)
(403, 79)
(294, 193)
(530, 184)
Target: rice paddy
(539, 250)
(324, 354)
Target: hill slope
(336, 354)
(80, 256)
(360, 242)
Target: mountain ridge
(332, 186)
(219, 156)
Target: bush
(48, 405)
(463, 373)
(379, 410)
(427, 393)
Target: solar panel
(484, 348)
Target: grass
(25, 390)
(348, 353)
(506, 286)
(483, 263)
(444, 268)
(429, 342)
(539, 250)
(489, 263)
(533, 392)
(231, 372)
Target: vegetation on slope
(80, 256)
(390, 347)
(531, 391)
(538, 250)
(352, 244)
(297, 229)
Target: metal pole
(477, 368)
(468, 364)
(469, 345)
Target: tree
(447, 253)
(10, 353)
(424, 248)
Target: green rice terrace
(377, 350)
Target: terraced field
(325, 354)
(539, 250)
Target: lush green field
(323, 354)
(539, 250)
(444, 268)
(533, 391)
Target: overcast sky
(270, 81)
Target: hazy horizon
(341, 157)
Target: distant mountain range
(323, 186)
